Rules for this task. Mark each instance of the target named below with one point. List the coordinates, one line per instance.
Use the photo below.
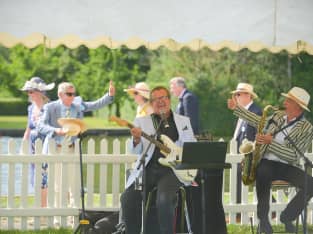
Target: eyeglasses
(162, 98)
(70, 94)
(30, 92)
(136, 93)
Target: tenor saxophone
(251, 151)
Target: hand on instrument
(264, 139)
(136, 133)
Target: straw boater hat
(72, 126)
(300, 96)
(245, 88)
(142, 88)
(37, 84)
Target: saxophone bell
(247, 146)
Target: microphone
(164, 119)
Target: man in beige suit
(287, 135)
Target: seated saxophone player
(285, 137)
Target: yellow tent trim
(72, 41)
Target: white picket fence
(21, 209)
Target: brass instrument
(251, 150)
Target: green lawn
(231, 229)
(19, 122)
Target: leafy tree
(209, 74)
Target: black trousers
(167, 186)
(268, 171)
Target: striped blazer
(301, 134)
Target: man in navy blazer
(188, 102)
(244, 96)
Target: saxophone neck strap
(289, 124)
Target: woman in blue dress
(36, 89)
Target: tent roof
(272, 24)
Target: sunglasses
(30, 92)
(136, 93)
(70, 94)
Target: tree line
(211, 75)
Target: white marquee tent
(236, 24)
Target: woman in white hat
(140, 92)
(36, 89)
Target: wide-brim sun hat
(300, 96)
(72, 126)
(245, 88)
(37, 84)
(141, 88)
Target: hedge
(18, 107)
(13, 107)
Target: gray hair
(179, 81)
(64, 86)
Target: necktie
(68, 139)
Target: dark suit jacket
(246, 130)
(188, 106)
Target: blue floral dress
(33, 119)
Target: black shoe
(289, 227)
(265, 227)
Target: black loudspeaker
(103, 222)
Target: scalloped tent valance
(274, 25)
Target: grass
(231, 229)
(46, 231)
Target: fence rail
(104, 175)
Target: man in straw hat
(52, 125)
(140, 92)
(244, 96)
(287, 135)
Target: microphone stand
(307, 164)
(143, 181)
(83, 222)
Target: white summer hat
(300, 96)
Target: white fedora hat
(141, 88)
(300, 96)
(245, 88)
(72, 126)
(36, 83)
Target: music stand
(204, 156)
